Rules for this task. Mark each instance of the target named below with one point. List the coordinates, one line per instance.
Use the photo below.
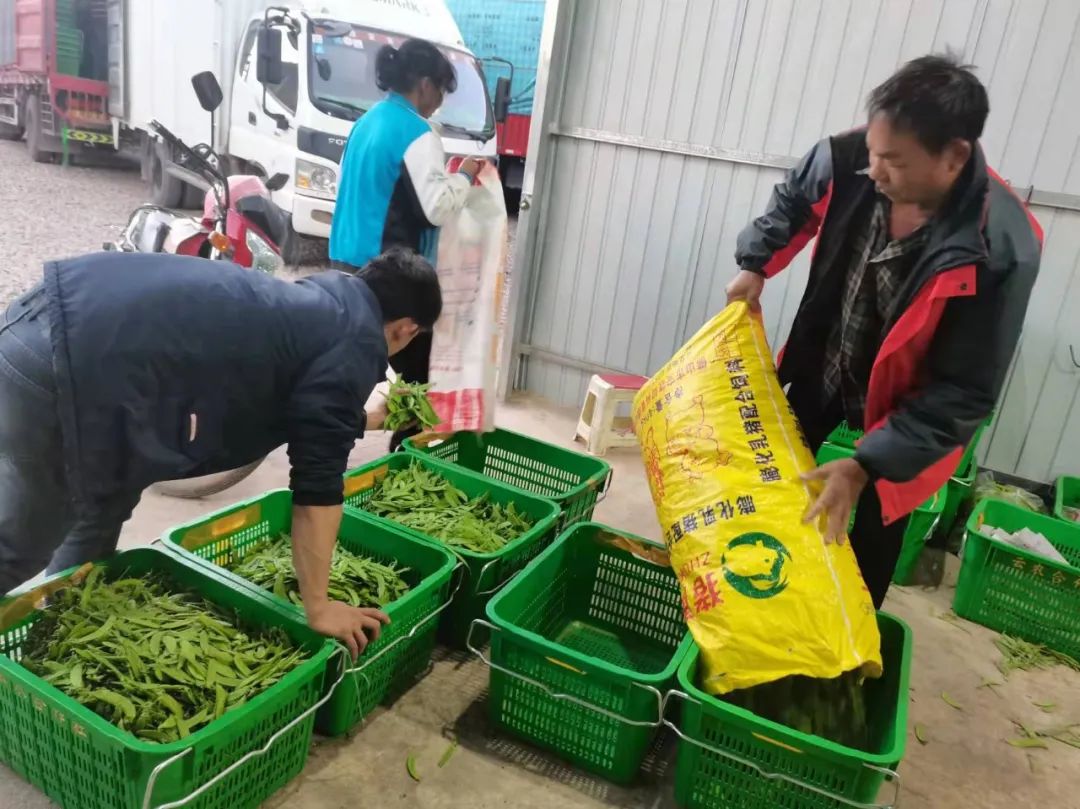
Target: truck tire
(10, 132)
(35, 138)
(192, 198)
(293, 247)
(194, 488)
(165, 190)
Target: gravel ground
(53, 211)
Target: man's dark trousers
(36, 512)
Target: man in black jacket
(918, 288)
(122, 370)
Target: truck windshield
(342, 80)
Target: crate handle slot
(427, 439)
(26, 603)
(156, 772)
(890, 775)
(498, 586)
(454, 591)
(565, 697)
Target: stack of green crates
(730, 757)
(921, 523)
(584, 645)
(403, 651)
(69, 39)
(82, 761)
(1011, 590)
(575, 482)
(484, 573)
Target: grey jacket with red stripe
(948, 346)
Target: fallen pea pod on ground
(157, 663)
(359, 581)
(425, 501)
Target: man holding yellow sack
(918, 287)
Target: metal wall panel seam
(1031, 195)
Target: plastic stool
(598, 426)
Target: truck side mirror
(269, 68)
(207, 90)
(502, 99)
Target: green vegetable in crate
(832, 709)
(359, 581)
(427, 502)
(408, 404)
(156, 663)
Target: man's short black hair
(405, 285)
(935, 98)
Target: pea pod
(158, 663)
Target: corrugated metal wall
(672, 125)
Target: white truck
(316, 59)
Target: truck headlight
(315, 180)
(263, 257)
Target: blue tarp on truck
(504, 30)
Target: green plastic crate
(583, 645)
(403, 651)
(69, 50)
(1010, 590)
(729, 757)
(844, 436)
(921, 523)
(1066, 495)
(574, 481)
(484, 573)
(82, 761)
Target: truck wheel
(165, 190)
(35, 138)
(10, 132)
(192, 198)
(194, 488)
(292, 248)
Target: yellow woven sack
(763, 594)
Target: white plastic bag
(465, 346)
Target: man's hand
(746, 286)
(844, 481)
(375, 410)
(350, 625)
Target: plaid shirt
(877, 270)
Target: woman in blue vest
(394, 189)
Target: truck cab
(305, 74)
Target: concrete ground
(965, 761)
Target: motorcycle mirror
(208, 90)
(277, 182)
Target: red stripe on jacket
(784, 256)
(896, 375)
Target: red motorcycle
(239, 224)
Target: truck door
(254, 136)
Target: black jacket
(170, 367)
(947, 350)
